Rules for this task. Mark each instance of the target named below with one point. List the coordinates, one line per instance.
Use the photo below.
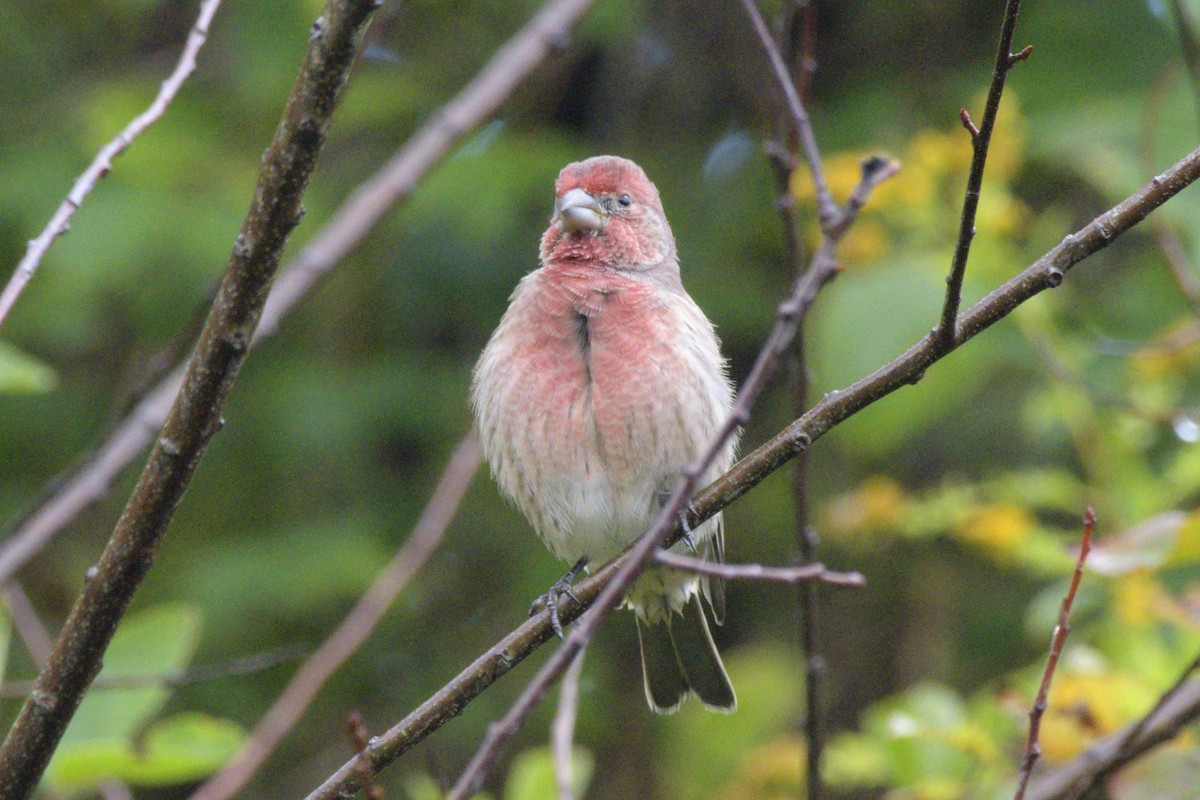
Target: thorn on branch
(1013, 58)
(965, 116)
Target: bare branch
(791, 575)
(965, 117)
(90, 482)
(562, 730)
(797, 39)
(981, 139)
(354, 629)
(102, 164)
(196, 415)
(29, 627)
(361, 212)
(827, 208)
(1033, 749)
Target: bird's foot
(687, 537)
(552, 598)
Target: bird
(601, 385)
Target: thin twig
(827, 208)
(807, 55)
(1033, 748)
(981, 138)
(102, 164)
(196, 415)
(361, 212)
(90, 482)
(29, 626)
(562, 729)
(834, 408)
(797, 39)
(245, 665)
(792, 575)
(1177, 261)
(354, 629)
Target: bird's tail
(679, 657)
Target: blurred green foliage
(115, 734)
(959, 498)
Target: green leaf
(183, 748)
(532, 774)
(155, 642)
(21, 373)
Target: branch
(364, 209)
(196, 415)
(797, 39)
(29, 627)
(562, 730)
(102, 164)
(981, 138)
(827, 208)
(354, 629)
(791, 575)
(1178, 706)
(1033, 749)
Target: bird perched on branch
(603, 382)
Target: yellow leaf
(1000, 528)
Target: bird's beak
(580, 212)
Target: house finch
(602, 383)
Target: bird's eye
(625, 200)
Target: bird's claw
(553, 597)
(687, 537)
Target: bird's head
(608, 214)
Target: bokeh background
(958, 498)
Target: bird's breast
(591, 402)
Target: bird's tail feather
(678, 657)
